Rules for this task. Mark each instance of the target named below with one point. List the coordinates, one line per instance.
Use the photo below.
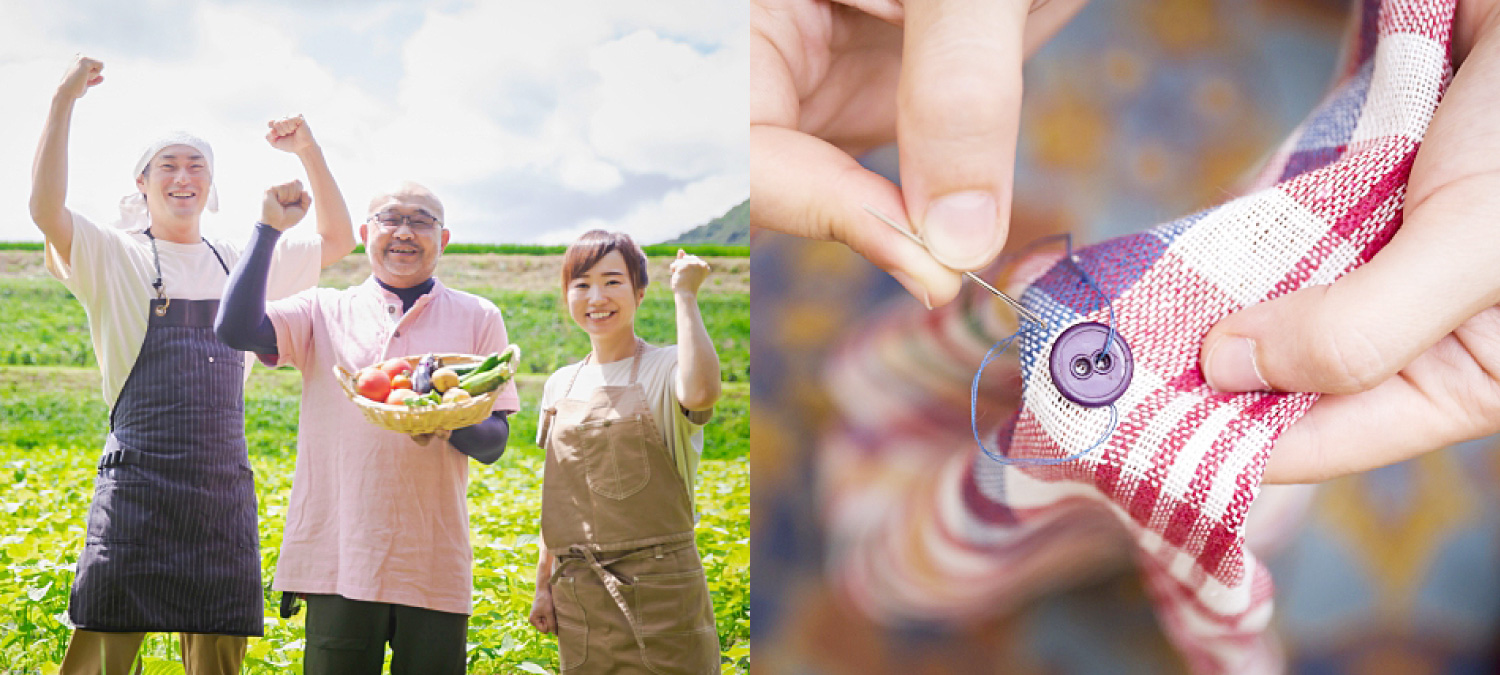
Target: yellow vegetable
(455, 395)
(444, 379)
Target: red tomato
(395, 367)
(372, 383)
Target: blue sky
(533, 121)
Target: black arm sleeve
(485, 441)
(242, 322)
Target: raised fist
(290, 134)
(83, 73)
(688, 273)
(285, 205)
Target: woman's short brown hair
(593, 246)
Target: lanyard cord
(156, 258)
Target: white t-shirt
(658, 375)
(111, 272)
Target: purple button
(1083, 372)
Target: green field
(717, 250)
(53, 420)
(45, 326)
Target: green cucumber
(484, 382)
(490, 365)
(464, 369)
(489, 362)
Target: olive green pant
(348, 637)
(92, 653)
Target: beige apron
(629, 588)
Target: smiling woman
(605, 281)
(623, 432)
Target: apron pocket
(615, 464)
(248, 518)
(123, 507)
(677, 622)
(572, 625)
(223, 388)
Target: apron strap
(635, 367)
(552, 411)
(163, 304)
(548, 414)
(612, 581)
(571, 380)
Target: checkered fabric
(1181, 465)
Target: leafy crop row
(714, 250)
(44, 510)
(45, 325)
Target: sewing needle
(1022, 311)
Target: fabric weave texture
(1175, 476)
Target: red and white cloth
(958, 533)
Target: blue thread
(1005, 343)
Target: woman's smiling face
(601, 300)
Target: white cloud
(664, 107)
(583, 99)
(692, 205)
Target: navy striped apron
(172, 542)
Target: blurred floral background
(1136, 113)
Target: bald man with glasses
(377, 533)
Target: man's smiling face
(404, 236)
(176, 184)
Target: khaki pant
(201, 654)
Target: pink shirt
(375, 516)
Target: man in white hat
(171, 542)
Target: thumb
(1437, 271)
(1347, 337)
(959, 109)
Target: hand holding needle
(1021, 310)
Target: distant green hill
(731, 228)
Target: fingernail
(1231, 366)
(960, 229)
(917, 290)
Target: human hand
(424, 439)
(1406, 348)
(833, 79)
(543, 614)
(290, 134)
(688, 273)
(285, 205)
(82, 74)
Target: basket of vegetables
(425, 394)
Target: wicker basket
(432, 418)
